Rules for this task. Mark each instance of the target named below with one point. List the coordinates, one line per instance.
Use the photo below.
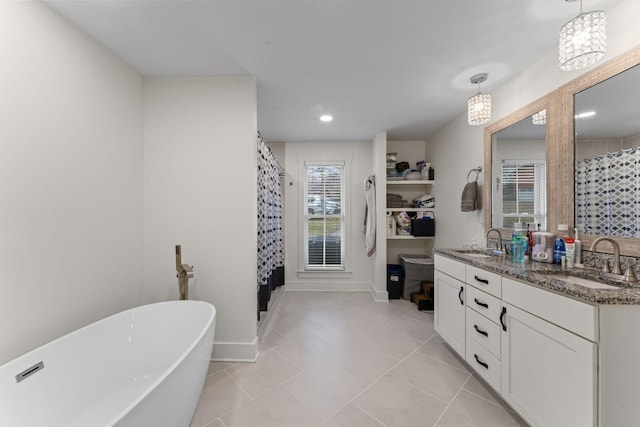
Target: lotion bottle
(570, 249)
(578, 249)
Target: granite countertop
(539, 274)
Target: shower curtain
(607, 194)
(270, 231)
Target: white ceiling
(394, 65)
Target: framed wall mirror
(603, 113)
(516, 168)
(607, 156)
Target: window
(524, 195)
(324, 216)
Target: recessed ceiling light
(326, 118)
(585, 115)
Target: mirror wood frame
(560, 155)
(618, 64)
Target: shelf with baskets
(410, 190)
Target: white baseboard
(378, 296)
(320, 285)
(307, 285)
(235, 351)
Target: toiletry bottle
(563, 231)
(515, 248)
(578, 248)
(531, 243)
(527, 246)
(517, 244)
(570, 248)
(558, 251)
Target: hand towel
(470, 197)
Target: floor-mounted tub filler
(141, 367)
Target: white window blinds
(524, 197)
(324, 230)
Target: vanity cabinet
(549, 357)
(449, 305)
(537, 349)
(548, 373)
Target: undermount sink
(584, 282)
(477, 255)
(474, 253)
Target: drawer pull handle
(480, 362)
(485, 281)
(504, 311)
(460, 295)
(481, 304)
(480, 331)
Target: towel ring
(477, 171)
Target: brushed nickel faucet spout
(499, 244)
(616, 252)
(184, 273)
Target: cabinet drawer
(483, 331)
(484, 363)
(485, 280)
(483, 303)
(451, 267)
(574, 316)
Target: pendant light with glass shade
(583, 40)
(479, 105)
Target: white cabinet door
(548, 374)
(449, 311)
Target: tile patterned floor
(335, 359)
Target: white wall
(379, 271)
(589, 148)
(358, 155)
(458, 147)
(200, 192)
(70, 180)
(453, 152)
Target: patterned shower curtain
(607, 194)
(270, 231)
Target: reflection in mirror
(607, 155)
(519, 190)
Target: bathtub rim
(177, 362)
(170, 369)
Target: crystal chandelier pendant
(479, 105)
(583, 40)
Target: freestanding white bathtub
(142, 367)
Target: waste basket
(395, 279)
(416, 270)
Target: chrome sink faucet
(499, 244)
(617, 273)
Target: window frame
(341, 216)
(539, 179)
